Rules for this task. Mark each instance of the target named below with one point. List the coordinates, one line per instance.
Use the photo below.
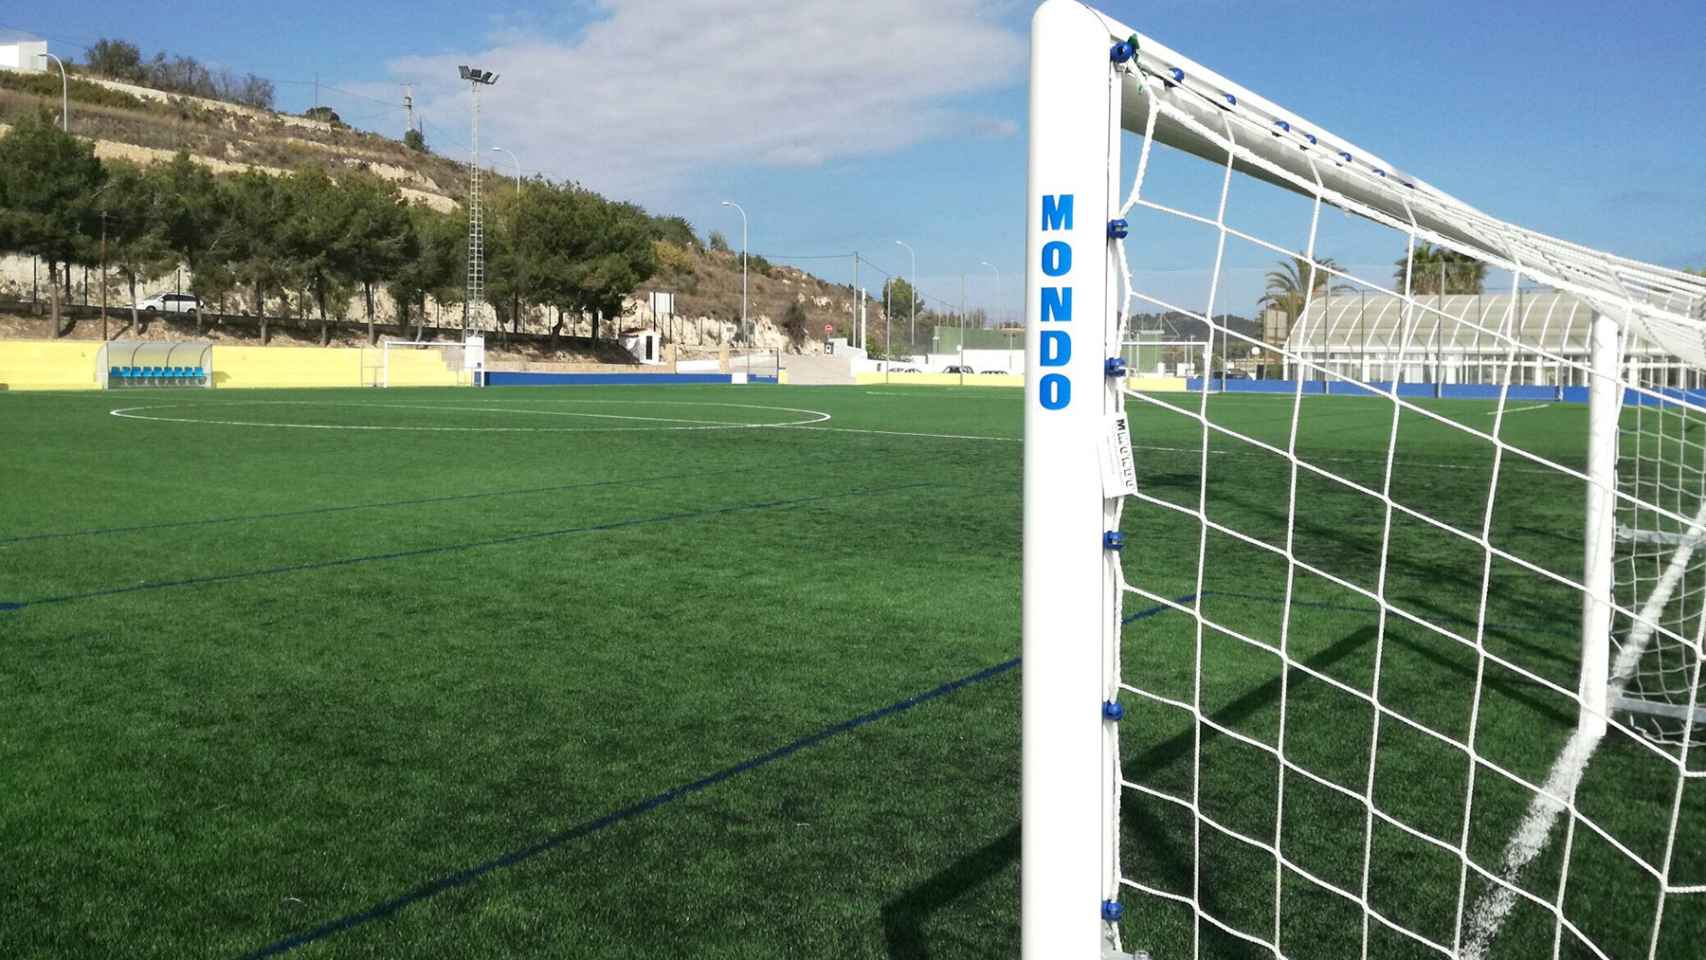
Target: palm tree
(1286, 286)
(1438, 270)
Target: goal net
(1162, 365)
(424, 363)
(1399, 656)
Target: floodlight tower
(476, 293)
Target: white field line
(134, 413)
(1559, 791)
(1536, 406)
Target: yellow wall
(48, 365)
(1150, 384)
(72, 365)
(943, 379)
(287, 367)
(240, 367)
(419, 368)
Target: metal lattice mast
(476, 289)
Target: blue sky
(843, 126)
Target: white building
(25, 56)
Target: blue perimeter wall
(517, 379)
(1449, 391)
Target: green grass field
(731, 672)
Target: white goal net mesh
(411, 363)
(1355, 708)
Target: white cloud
(652, 91)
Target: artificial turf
(639, 672)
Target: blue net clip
(1113, 540)
(1111, 710)
(1112, 911)
(1118, 229)
(1114, 367)
(1122, 51)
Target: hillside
(130, 122)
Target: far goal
(431, 363)
(1355, 663)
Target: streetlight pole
(743, 224)
(476, 288)
(913, 336)
(997, 279)
(517, 162)
(962, 329)
(64, 93)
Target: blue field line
(469, 875)
(454, 547)
(462, 878)
(386, 504)
(1160, 608)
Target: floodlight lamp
(462, 69)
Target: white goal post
(423, 363)
(1619, 569)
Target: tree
(378, 237)
(47, 181)
(314, 240)
(256, 206)
(136, 242)
(676, 230)
(718, 242)
(415, 140)
(324, 115)
(1286, 289)
(118, 59)
(436, 267)
(190, 216)
(1439, 270)
(795, 324)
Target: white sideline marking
(1537, 406)
(1559, 790)
(814, 416)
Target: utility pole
(409, 105)
(476, 287)
(858, 303)
(103, 274)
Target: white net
(1357, 709)
(1661, 572)
(407, 363)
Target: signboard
(828, 329)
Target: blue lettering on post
(1055, 391)
(1057, 304)
(1057, 258)
(1057, 348)
(1054, 346)
(1057, 212)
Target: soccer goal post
(428, 363)
(1378, 668)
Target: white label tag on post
(1119, 468)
